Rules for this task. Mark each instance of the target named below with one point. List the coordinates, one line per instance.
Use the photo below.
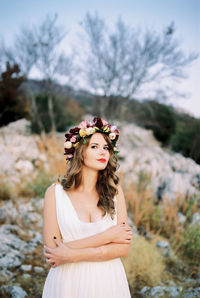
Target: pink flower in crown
(84, 124)
(73, 139)
(104, 122)
(113, 128)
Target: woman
(86, 229)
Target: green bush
(38, 186)
(161, 119)
(66, 113)
(186, 139)
(191, 244)
(12, 105)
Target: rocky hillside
(22, 266)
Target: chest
(86, 207)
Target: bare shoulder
(50, 193)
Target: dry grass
(144, 266)
(159, 217)
(6, 192)
(53, 148)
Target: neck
(89, 180)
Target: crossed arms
(112, 243)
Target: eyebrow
(98, 144)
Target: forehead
(98, 138)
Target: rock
(38, 269)
(195, 219)
(158, 291)
(26, 276)
(161, 291)
(5, 276)
(191, 293)
(164, 248)
(181, 218)
(26, 268)
(145, 291)
(7, 163)
(11, 259)
(13, 249)
(24, 166)
(19, 153)
(170, 174)
(8, 213)
(13, 291)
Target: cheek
(89, 155)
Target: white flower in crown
(67, 145)
(112, 135)
(90, 131)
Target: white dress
(105, 279)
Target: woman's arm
(111, 235)
(92, 241)
(50, 223)
(63, 254)
(115, 234)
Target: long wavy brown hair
(106, 181)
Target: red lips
(102, 160)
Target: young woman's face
(97, 154)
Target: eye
(107, 148)
(93, 146)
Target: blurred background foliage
(119, 64)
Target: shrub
(66, 112)
(5, 192)
(38, 186)
(190, 247)
(161, 119)
(12, 105)
(186, 139)
(144, 265)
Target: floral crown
(86, 129)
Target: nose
(102, 151)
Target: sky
(152, 14)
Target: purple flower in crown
(97, 122)
(69, 150)
(74, 130)
(68, 136)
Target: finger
(130, 233)
(128, 228)
(57, 241)
(47, 255)
(48, 249)
(50, 261)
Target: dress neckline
(75, 212)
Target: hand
(58, 255)
(119, 233)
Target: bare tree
(37, 48)
(130, 63)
